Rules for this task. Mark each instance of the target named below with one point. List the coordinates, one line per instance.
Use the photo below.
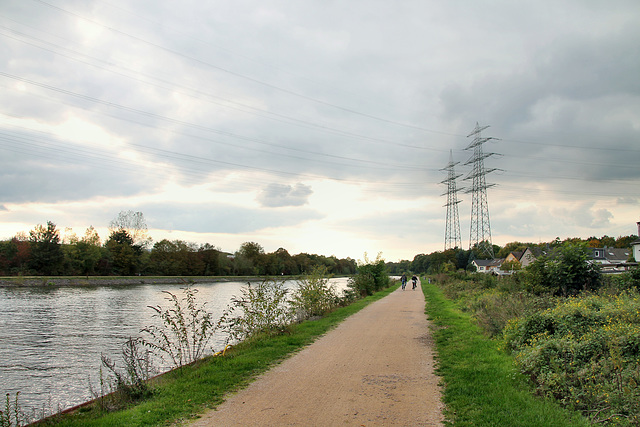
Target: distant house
(609, 255)
(524, 258)
(487, 265)
(611, 260)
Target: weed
(262, 308)
(185, 331)
(314, 296)
(131, 384)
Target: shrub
(566, 271)
(370, 277)
(185, 329)
(493, 310)
(586, 353)
(262, 308)
(314, 296)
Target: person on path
(414, 280)
(403, 280)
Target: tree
(125, 255)
(134, 224)
(566, 271)
(46, 253)
(625, 241)
(211, 260)
(89, 251)
(251, 258)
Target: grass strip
(481, 386)
(183, 394)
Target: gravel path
(375, 369)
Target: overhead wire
(233, 135)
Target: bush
(314, 296)
(262, 308)
(370, 277)
(567, 271)
(493, 310)
(185, 330)
(586, 353)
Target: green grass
(181, 395)
(481, 386)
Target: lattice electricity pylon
(480, 234)
(452, 237)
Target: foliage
(46, 252)
(566, 271)
(370, 277)
(185, 329)
(585, 353)
(124, 254)
(480, 387)
(314, 296)
(260, 309)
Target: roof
(610, 255)
(488, 262)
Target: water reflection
(52, 338)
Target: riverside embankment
(54, 335)
(122, 280)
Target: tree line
(128, 251)
(457, 259)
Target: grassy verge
(481, 384)
(182, 394)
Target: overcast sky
(319, 126)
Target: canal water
(52, 338)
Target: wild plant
(371, 276)
(585, 352)
(131, 384)
(261, 308)
(314, 296)
(185, 330)
(12, 415)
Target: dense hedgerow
(585, 352)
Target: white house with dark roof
(487, 265)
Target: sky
(319, 126)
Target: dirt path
(374, 369)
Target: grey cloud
(279, 195)
(220, 217)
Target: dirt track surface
(375, 369)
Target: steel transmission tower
(480, 234)
(452, 238)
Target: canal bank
(54, 336)
(125, 280)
